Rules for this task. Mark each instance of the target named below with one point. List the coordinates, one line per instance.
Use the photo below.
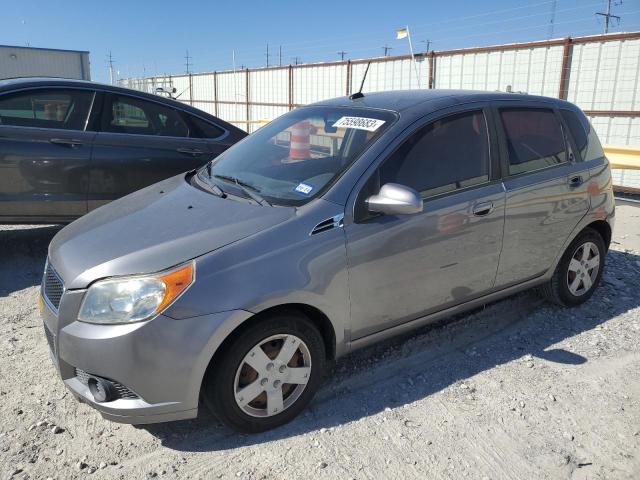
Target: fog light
(101, 390)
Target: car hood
(153, 229)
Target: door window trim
(93, 91)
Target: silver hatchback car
(337, 225)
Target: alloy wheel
(272, 375)
(583, 268)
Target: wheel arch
(603, 228)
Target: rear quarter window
(584, 135)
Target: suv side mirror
(395, 199)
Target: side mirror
(395, 199)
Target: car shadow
(413, 366)
(23, 252)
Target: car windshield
(299, 155)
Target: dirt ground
(519, 389)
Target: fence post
(348, 90)
(190, 90)
(432, 59)
(565, 69)
(290, 87)
(247, 96)
(215, 93)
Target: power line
(608, 15)
(552, 20)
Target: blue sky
(152, 37)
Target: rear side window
(64, 109)
(443, 156)
(534, 139)
(135, 116)
(204, 129)
(585, 137)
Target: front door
(44, 153)
(140, 143)
(407, 266)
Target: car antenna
(359, 93)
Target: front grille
(51, 339)
(52, 286)
(121, 390)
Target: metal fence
(599, 73)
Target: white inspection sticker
(359, 123)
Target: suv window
(65, 109)
(445, 155)
(534, 139)
(583, 134)
(205, 129)
(134, 116)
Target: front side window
(64, 109)
(445, 155)
(583, 134)
(534, 139)
(139, 117)
(299, 155)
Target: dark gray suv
(68, 146)
(334, 226)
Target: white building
(43, 62)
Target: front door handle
(69, 142)
(191, 151)
(482, 209)
(575, 181)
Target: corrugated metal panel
(232, 87)
(32, 62)
(235, 114)
(264, 112)
(531, 70)
(604, 75)
(202, 87)
(620, 131)
(315, 83)
(269, 86)
(389, 75)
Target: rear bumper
(162, 360)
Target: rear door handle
(69, 142)
(575, 181)
(191, 151)
(482, 209)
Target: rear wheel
(579, 271)
(266, 375)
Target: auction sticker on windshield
(304, 188)
(359, 123)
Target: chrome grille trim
(52, 287)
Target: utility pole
(342, 53)
(608, 15)
(267, 55)
(280, 55)
(386, 50)
(552, 20)
(110, 68)
(428, 42)
(188, 63)
(296, 60)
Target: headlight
(136, 298)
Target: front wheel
(266, 375)
(579, 271)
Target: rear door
(140, 143)
(546, 188)
(44, 153)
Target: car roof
(27, 82)
(401, 100)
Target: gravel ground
(519, 389)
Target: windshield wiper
(250, 190)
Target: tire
(573, 283)
(233, 370)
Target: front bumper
(161, 360)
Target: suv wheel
(267, 375)
(579, 271)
